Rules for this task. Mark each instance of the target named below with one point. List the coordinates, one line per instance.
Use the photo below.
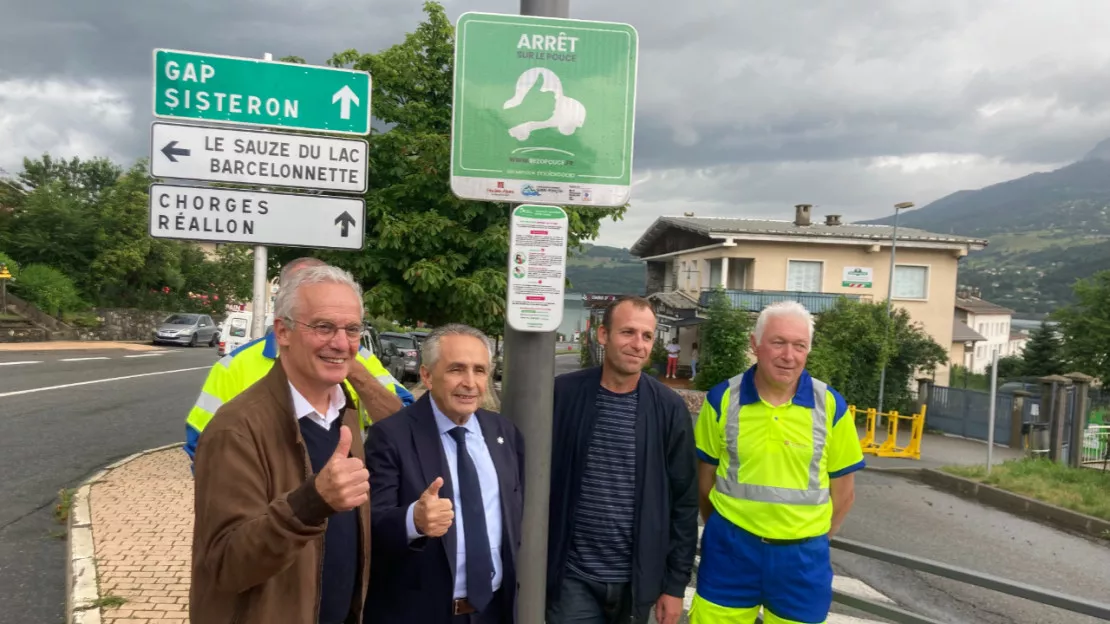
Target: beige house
(762, 261)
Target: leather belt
(463, 607)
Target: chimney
(801, 214)
(832, 219)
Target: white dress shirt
(303, 409)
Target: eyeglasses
(327, 330)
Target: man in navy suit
(446, 496)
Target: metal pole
(260, 296)
(527, 398)
(889, 298)
(990, 419)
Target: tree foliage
(1043, 354)
(87, 220)
(724, 342)
(854, 340)
(429, 256)
(1085, 326)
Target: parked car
(409, 348)
(187, 329)
(386, 352)
(236, 331)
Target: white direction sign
(256, 218)
(257, 157)
(537, 267)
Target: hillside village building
(761, 261)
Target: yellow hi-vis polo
(774, 463)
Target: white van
(236, 330)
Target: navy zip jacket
(665, 526)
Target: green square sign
(544, 110)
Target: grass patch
(108, 602)
(65, 504)
(1078, 489)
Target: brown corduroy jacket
(258, 539)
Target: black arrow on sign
(171, 150)
(347, 220)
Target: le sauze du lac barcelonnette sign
(544, 110)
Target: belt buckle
(460, 606)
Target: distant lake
(574, 315)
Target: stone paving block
(142, 525)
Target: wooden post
(1053, 405)
(1079, 418)
(1017, 413)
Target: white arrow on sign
(221, 154)
(344, 96)
(257, 218)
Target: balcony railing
(756, 300)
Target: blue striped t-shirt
(601, 547)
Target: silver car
(187, 329)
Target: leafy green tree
(1085, 326)
(1043, 354)
(852, 343)
(724, 342)
(1011, 366)
(429, 256)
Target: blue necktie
(479, 565)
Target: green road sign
(544, 110)
(227, 89)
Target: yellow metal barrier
(889, 447)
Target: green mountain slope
(603, 269)
(1045, 231)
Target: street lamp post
(889, 297)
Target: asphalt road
(904, 515)
(54, 437)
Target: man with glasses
(282, 526)
(377, 394)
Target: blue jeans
(582, 601)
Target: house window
(911, 282)
(979, 352)
(803, 275)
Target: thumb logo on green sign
(568, 116)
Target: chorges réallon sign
(217, 215)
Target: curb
(1017, 504)
(82, 588)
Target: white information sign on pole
(223, 154)
(256, 217)
(537, 267)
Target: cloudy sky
(744, 108)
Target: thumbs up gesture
(433, 515)
(344, 483)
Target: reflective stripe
(365, 353)
(730, 485)
(226, 360)
(208, 402)
(388, 381)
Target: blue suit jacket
(415, 582)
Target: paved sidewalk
(142, 519)
(78, 345)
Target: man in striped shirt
(623, 514)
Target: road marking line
(84, 359)
(96, 381)
(859, 589)
(21, 362)
(146, 354)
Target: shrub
(48, 288)
(13, 266)
(723, 352)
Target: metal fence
(956, 573)
(966, 413)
